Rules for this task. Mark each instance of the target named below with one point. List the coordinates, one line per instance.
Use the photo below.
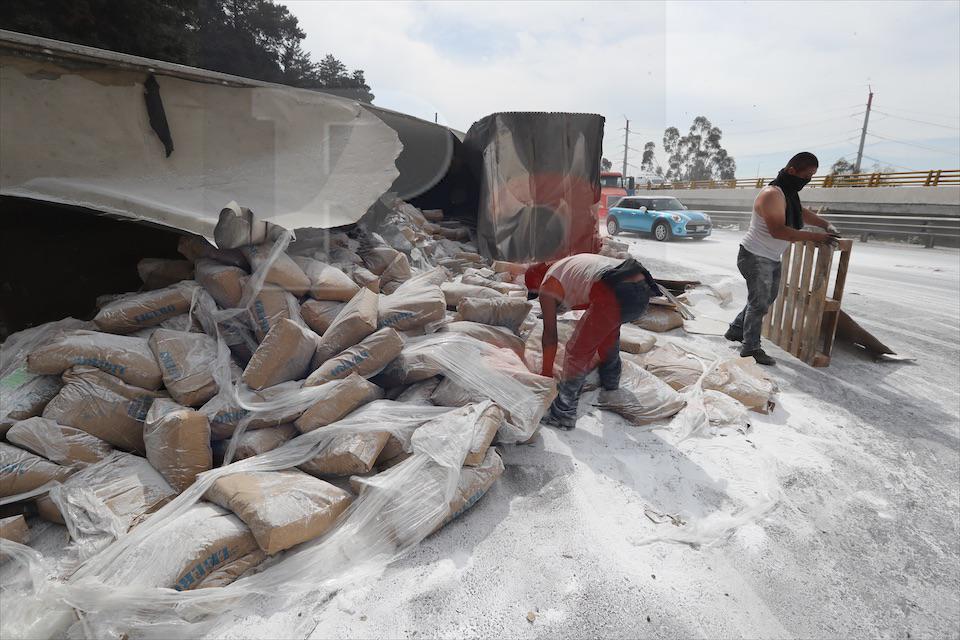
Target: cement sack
(157, 273)
(634, 340)
(672, 365)
(744, 380)
(642, 397)
(227, 573)
(348, 454)
(356, 321)
(473, 484)
(533, 347)
(177, 440)
(454, 292)
(500, 337)
(22, 471)
(396, 273)
(367, 358)
(288, 411)
(224, 283)
(142, 310)
(659, 318)
(284, 272)
(513, 268)
(271, 306)
(503, 311)
(127, 358)
(194, 248)
(504, 288)
(183, 552)
(484, 431)
(102, 501)
(419, 392)
(343, 397)
(58, 443)
(224, 416)
(449, 394)
(253, 443)
(415, 303)
(320, 314)
(187, 361)
(24, 395)
(406, 368)
(284, 354)
(365, 278)
(724, 412)
(327, 282)
(377, 259)
(282, 508)
(469, 256)
(103, 406)
(344, 256)
(15, 529)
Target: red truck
(612, 188)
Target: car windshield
(611, 181)
(665, 204)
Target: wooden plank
(803, 300)
(791, 298)
(829, 330)
(818, 293)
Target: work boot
(734, 335)
(558, 422)
(759, 355)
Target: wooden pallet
(803, 319)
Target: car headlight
(676, 217)
(707, 218)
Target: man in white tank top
(777, 220)
(613, 292)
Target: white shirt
(758, 241)
(577, 274)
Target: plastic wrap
(103, 406)
(366, 358)
(744, 380)
(327, 282)
(282, 508)
(396, 273)
(506, 312)
(142, 310)
(497, 336)
(177, 440)
(356, 321)
(14, 528)
(254, 443)
(348, 454)
(23, 472)
(280, 269)
(539, 184)
(377, 259)
(343, 396)
(195, 248)
(642, 397)
(415, 303)
(125, 357)
(186, 360)
(284, 354)
(673, 365)
(58, 443)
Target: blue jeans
(763, 284)
(597, 332)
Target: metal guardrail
(931, 178)
(928, 230)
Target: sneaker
(553, 420)
(733, 335)
(759, 355)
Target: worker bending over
(613, 292)
(777, 219)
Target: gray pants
(763, 283)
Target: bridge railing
(931, 178)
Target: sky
(777, 78)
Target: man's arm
(772, 207)
(811, 218)
(548, 304)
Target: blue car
(662, 217)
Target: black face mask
(788, 181)
(632, 299)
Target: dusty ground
(835, 516)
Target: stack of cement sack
(105, 422)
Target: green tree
(605, 165)
(841, 167)
(257, 39)
(699, 155)
(649, 161)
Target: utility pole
(863, 134)
(626, 145)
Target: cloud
(776, 77)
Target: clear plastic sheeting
(395, 510)
(539, 184)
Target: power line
(913, 144)
(934, 124)
(895, 166)
(793, 126)
(793, 115)
(952, 116)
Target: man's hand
(832, 230)
(826, 238)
